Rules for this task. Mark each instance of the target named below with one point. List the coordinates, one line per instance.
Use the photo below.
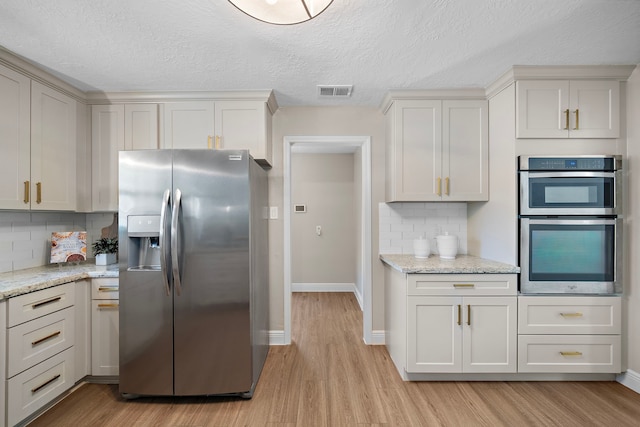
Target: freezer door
(146, 308)
(211, 304)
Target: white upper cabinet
(220, 124)
(116, 128)
(568, 109)
(53, 149)
(437, 150)
(188, 124)
(15, 161)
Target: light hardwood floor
(328, 377)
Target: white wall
(324, 121)
(401, 223)
(632, 229)
(325, 184)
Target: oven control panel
(600, 163)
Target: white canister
(421, 248)
(447, 246)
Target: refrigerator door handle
(174, 241)
(166, 201)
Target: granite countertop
(33, 279)
(462, 264)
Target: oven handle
(573, 221)
(565, 174)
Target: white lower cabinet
(569, 334)
(461, 334)
(451, 323)
(104, 327)
(40, 353)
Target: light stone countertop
(33, 279)
(462, 264)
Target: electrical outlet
(273, 212)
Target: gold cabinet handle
(566, 119)
(469, 315)
(43, 339)
(439, 192)
(446, 186)
(459, 314)
(108, 289)
(565, 315)
(463, 285)
(571, 353)
(49, 301)
(577, 120)
(43, 385)
(38, 192)
(209, 144)
(112, 305)
(27, 186)
(218, 142)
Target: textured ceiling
(375, 45)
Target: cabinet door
(242, 125)
(107, 138)
(15, 135)
(594, 109)
(434, 334)
(541, 108)
(53, 149)
(415, 154)
(490, 334)
(465, 151)
(104, 337)
(141, 126)
(188, 124)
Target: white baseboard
(377, 338)
(323, 287)
(276, 338)
(630, 379)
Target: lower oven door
(571, 255)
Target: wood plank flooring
(328, 377)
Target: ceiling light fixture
(282, 12)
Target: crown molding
(22, 66)
(105, 98)
(559, 72)
(408, 94)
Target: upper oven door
(569, 193)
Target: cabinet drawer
(569, 353)
(32, 389)
(104, 288)
(37, 340)
(40, 303)
(569, 315)
(462, 284)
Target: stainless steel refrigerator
(193, 250)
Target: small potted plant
(105, 250)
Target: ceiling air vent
(335, 91)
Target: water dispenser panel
(143, 225)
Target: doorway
(361, 147)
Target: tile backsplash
(401, 223)
(25, 237)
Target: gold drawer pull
(49, 301)
(108, 289)
(566, 119)
(571, 353)
(43, 339)
(459, 314)
(463, 285)
(446, 186)
(469, 315)
(38, 192)
(577, 314)
(439, 192)
(108, 305)
(41, 386)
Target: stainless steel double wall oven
(570, 214)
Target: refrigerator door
(212, 331)
(146, 308)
